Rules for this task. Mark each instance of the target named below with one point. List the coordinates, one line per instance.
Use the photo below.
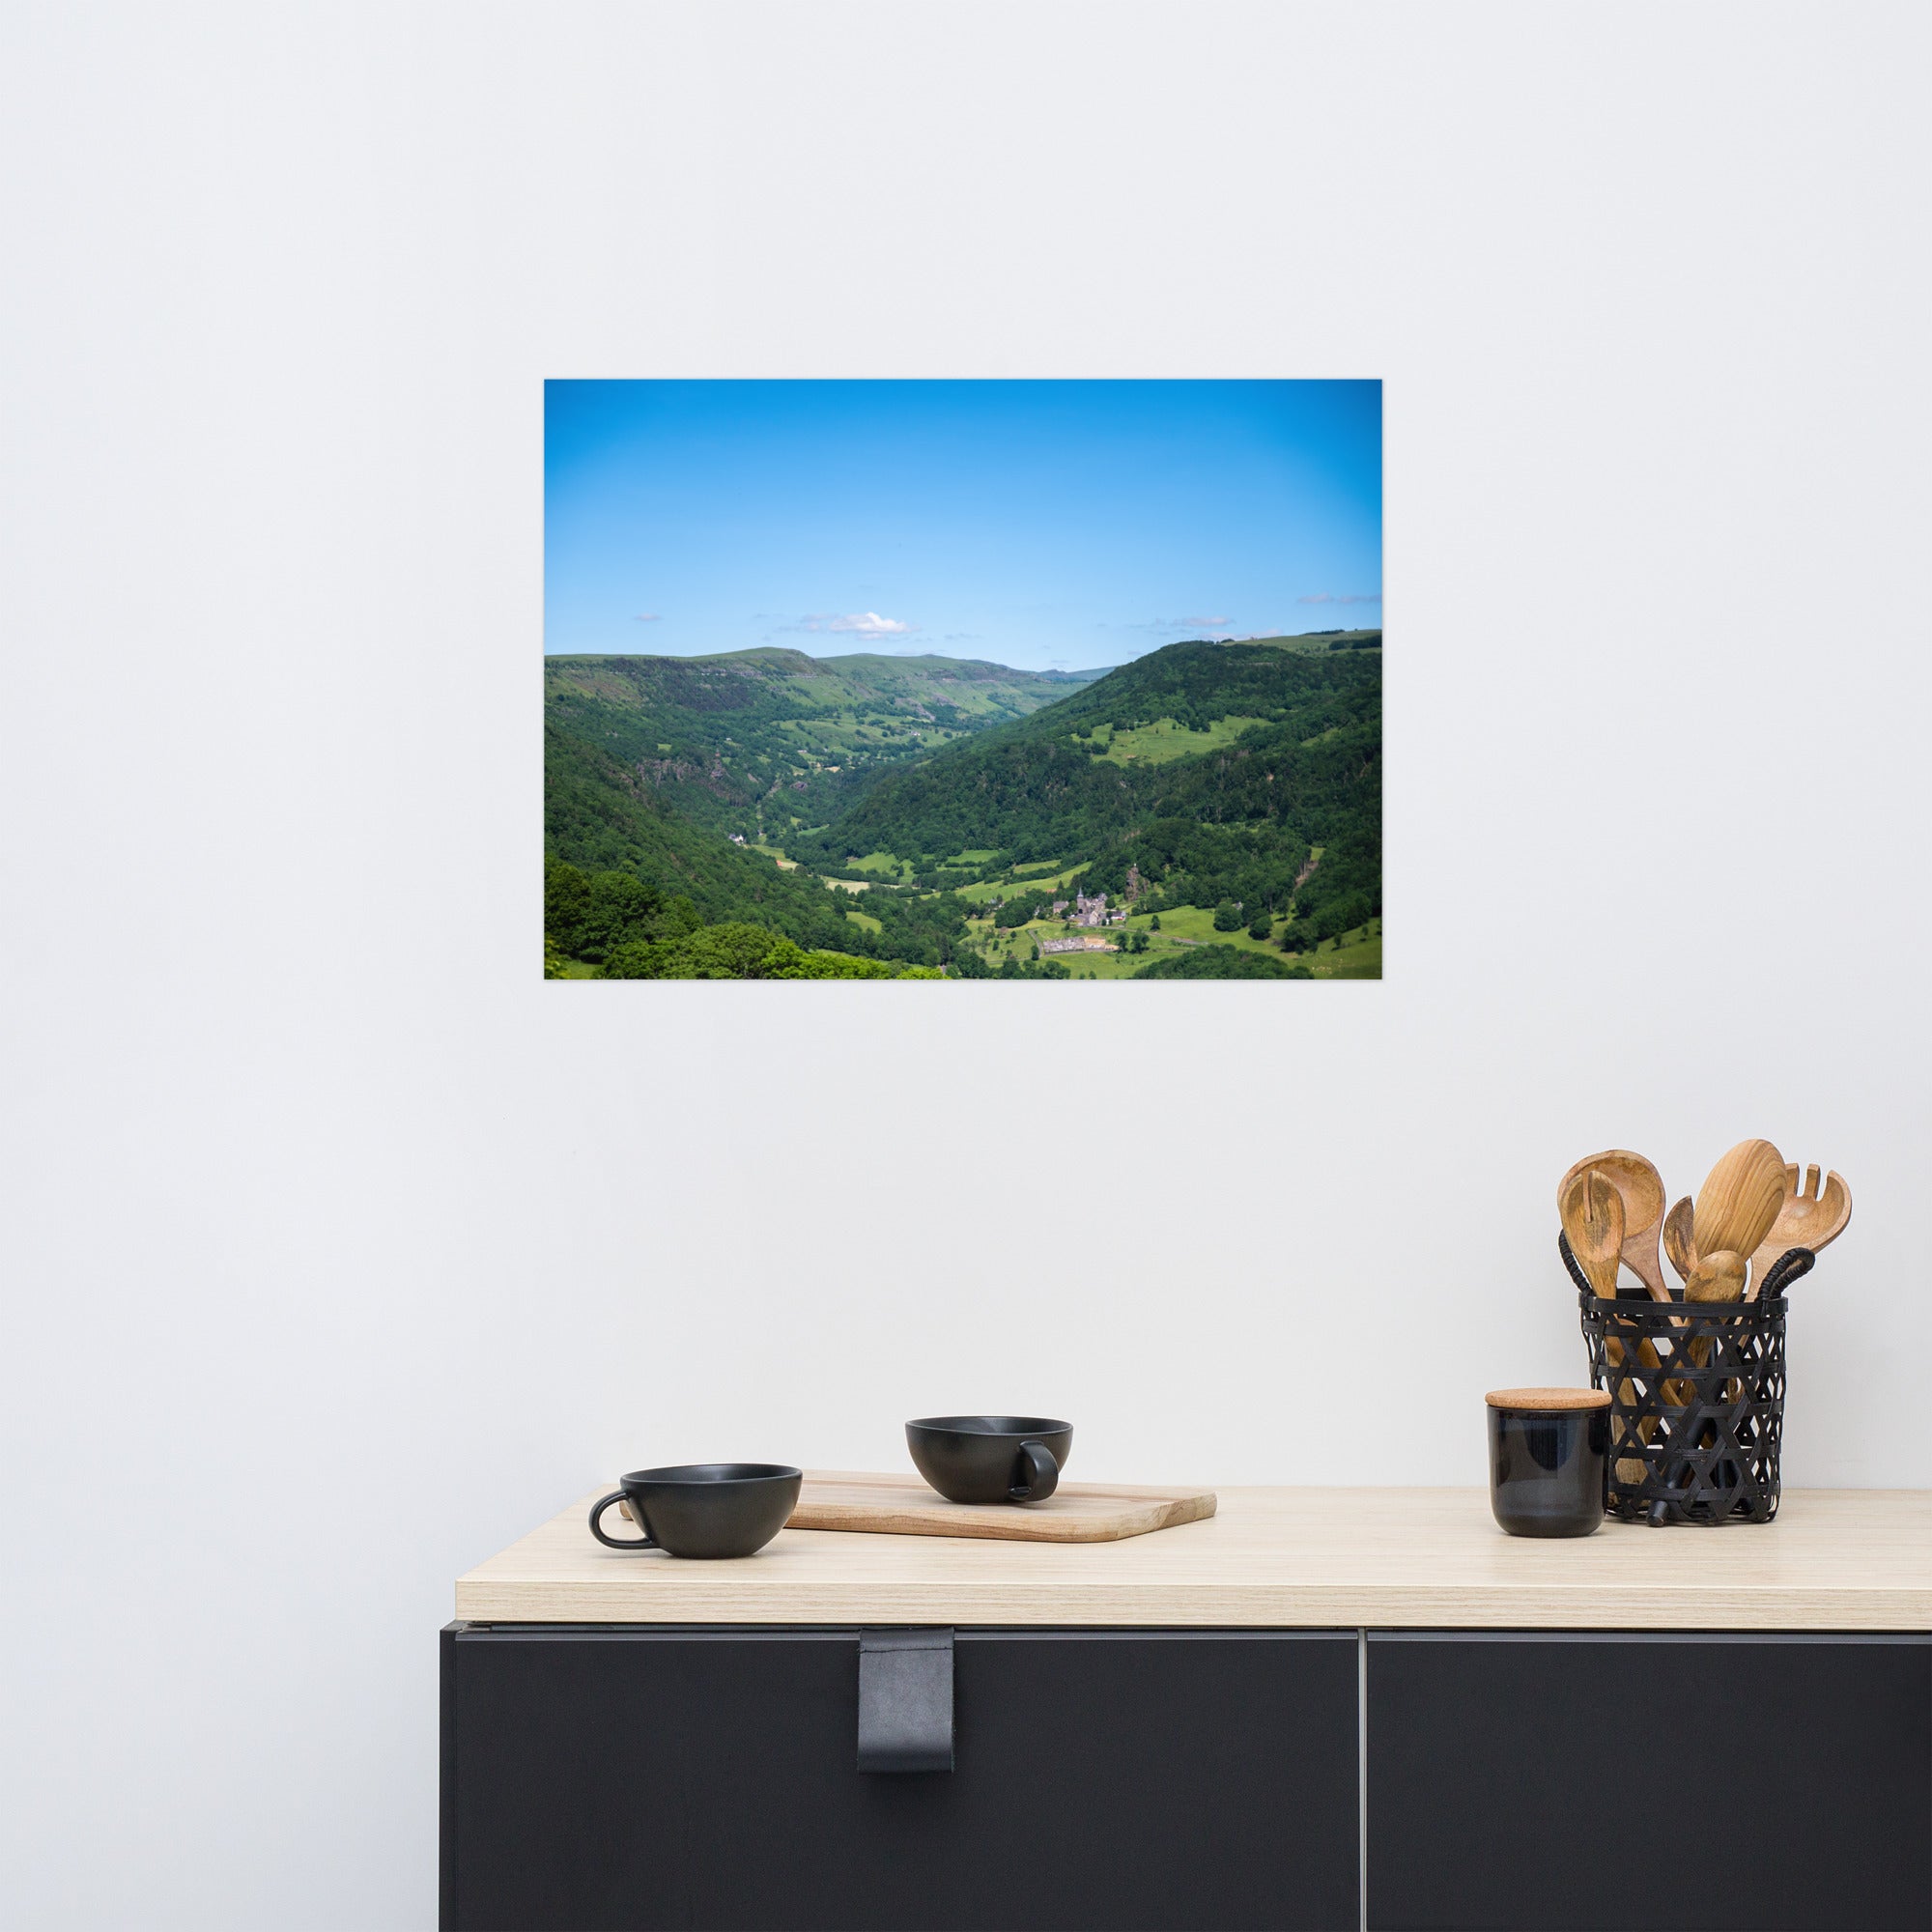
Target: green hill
(1109, 781)
(761, 742)
(621, 868)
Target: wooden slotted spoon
(1808, 1218)
(1641, 1189)
(1592, 1211)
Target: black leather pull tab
(905, 1700)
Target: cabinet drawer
(1692, 1783)
(603, 1778)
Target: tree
(1227, 917)
(741, 952)
(1220, 962)
(1153, 924)
(1262, 926)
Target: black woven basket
(1696, 1399)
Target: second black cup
(990, 1459)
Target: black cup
(1548, 1459)
(704, 1509)
(990, 1459)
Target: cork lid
(1549, 1400)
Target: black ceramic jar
(1549, 1457)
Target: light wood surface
(1847, 1559)
(898, 1505)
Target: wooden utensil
(1738, 1200)
(1808, 1218)
(1716, 1277)
(1593, 1218)
(1680, 1240)
(1641, 1189)
(1593, 1223)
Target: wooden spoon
(1716, 1277)
(1808, 1218)
(1641, 1187)
(1680, 1240)
(1593, 1218)
(1738, 1200)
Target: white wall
(340, 1249)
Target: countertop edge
(1518, 1607)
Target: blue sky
(1040, 525)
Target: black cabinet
(1577, 1782)
(608, 1777)
(611, 1778)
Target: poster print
(958, 680)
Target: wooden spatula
(1738, 1200)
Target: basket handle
(1570, 1262)
(1788, 1267)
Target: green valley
(761, 742)
(1224, 799)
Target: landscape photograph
(953, 680)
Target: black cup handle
(597, 1510)
(1041, 1477)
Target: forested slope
(759, 742)
(601, 818)
(1304, 770)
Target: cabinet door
(602, 1779)
(1578, 1782)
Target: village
(1089, 912)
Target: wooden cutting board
(1075, 1512)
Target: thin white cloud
(869, 624)
(1330, 597)
(1170, 624)
(650, 616)
(858, 623)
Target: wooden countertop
(1834, 1559)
